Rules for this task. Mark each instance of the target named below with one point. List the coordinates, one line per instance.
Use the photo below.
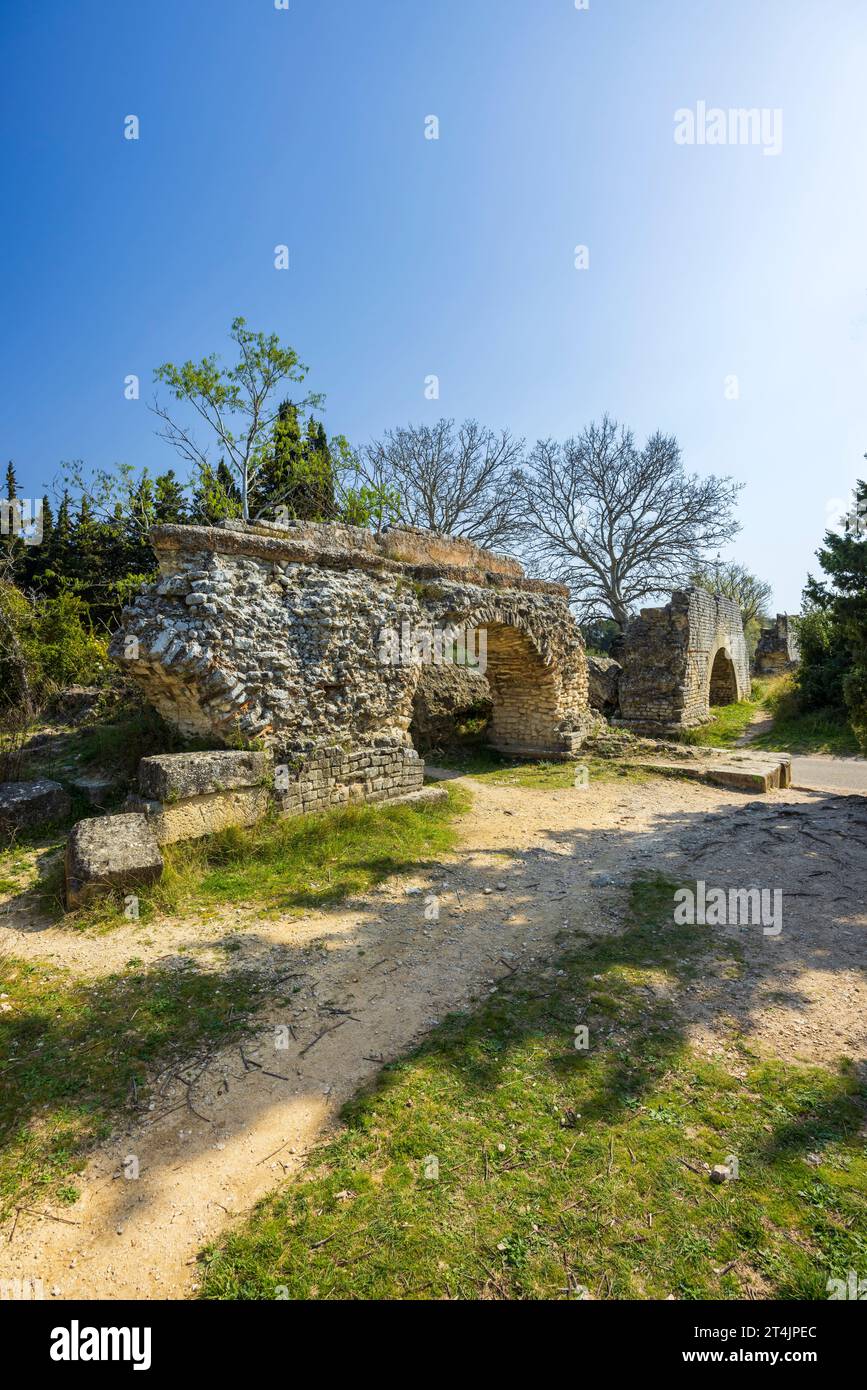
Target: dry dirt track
(377, 974)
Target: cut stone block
(175, 776)
(110, 852)
(98, 789)
(196, 816)
(32, 803)
(747, 776)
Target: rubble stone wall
(680, 659)
(278, 635)
(778, 649)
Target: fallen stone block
(427, 796)
(96, 788)
(175, 776)
(746, 776)
(24, 804)
(108, 853)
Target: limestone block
(176, 776)
(110, 852)
(31, 803)
(196, 816)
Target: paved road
(825, 773)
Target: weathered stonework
(778, 648)
(681, 659)
(278, 635)
(110, 853)
(603, 674)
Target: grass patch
(793, 731)
(485, 765)
(285, 866)
(805, 731)
(561, 1170)
(728, 724)
(77, 1054)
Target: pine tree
(278, 477)
(215, 496)
(36, 559)
(11, 545)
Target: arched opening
(723, 680)
(507, 698)
(525, 714)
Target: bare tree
(459, 481)
(618, 523)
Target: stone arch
(525, 694)
(536, 674)
(722, 678)
(303, 638)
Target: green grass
(283, 866)
(77, 1054)
(729, 722)
(562, 1170)
(485, 765)
(793, 730)
(78, 1051)
(804, 731)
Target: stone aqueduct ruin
(680, 659)
(277, 634)
(285, 635)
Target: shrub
(45, 644)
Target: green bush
(46, 644)
(825, 661)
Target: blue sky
(410, 257)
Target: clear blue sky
(410, 257)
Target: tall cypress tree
(11, 545)
(36, 559)
(170, 503)
(278, 477)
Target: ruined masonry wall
(276, 636)
(778, 649)
(679, 658)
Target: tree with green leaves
(215, 496)
(170, 501)
(239, 404)
(833, 632)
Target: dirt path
(760, 723)
(373, 977)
